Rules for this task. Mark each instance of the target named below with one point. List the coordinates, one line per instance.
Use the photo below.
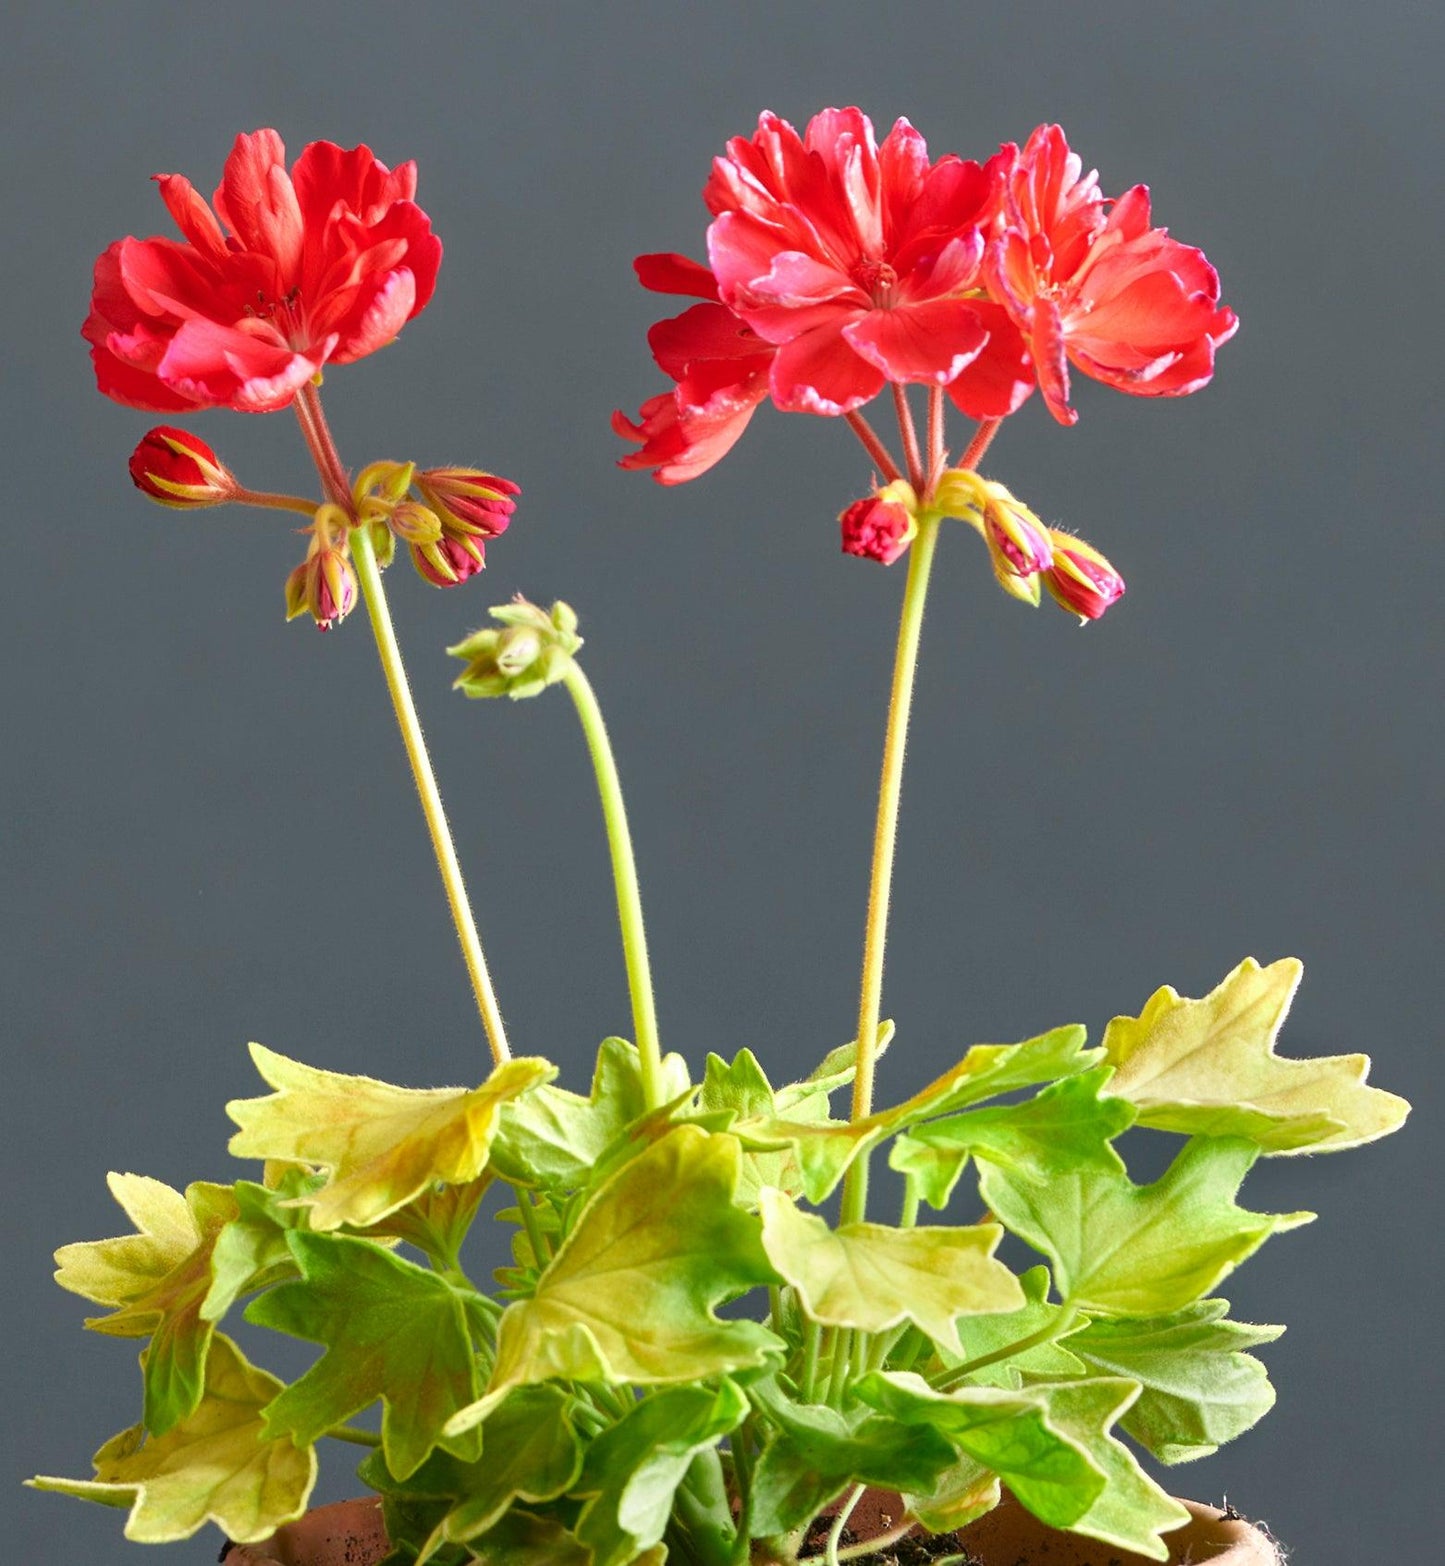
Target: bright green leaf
(964, 1493)
(1130, 1250)
(1007, 1432)
(522, 1538)
(555, 1139)
(633, 1470)
(219, 1465)
(1208, 1067)
(814, 1452)
(1132, 1511)
(872, 1277)
(835, 1070)
(1200, 1389)
(1068, 1126)
(251, 1251)
(629, 1295)
(530, 1452)
(382, 1145)
(392, 1330)
(826, 1150)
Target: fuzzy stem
(920, 563)
(875, 448)
(982, 440)
(354, 1436)
(264, 500)
(874, 1546)
(909, 431)
(624, 875)
(812, 1336)
(937, 454)
(840, 1522)
(1055, 1329)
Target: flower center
(283, 313)
(877, 279)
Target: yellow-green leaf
(381, 1145)
(216, 1466)
(1208, 1067)
(872, 1277)
(629, 1295)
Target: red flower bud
(877, 529)
(450, 560)
(179, 469)
(324, 584)
(468, 500)
(1081, 580)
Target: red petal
(1000, 379)
(665, 272)
(1047, 347)
(928, 342)
(391, 305)
(192, 216)
(820, 373)
(703, 332)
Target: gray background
(209, 831)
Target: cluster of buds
(1028, 555)
(446, 530)
(175, 468)
(324, 584)
(532, 649)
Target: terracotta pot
(349, 1533)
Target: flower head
(862, 264)
(290, 271)
(176, 468)
(1090, 283)
(533, 649)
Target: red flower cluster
(323, 264)
(839, 266)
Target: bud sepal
(531, 649)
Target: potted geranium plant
(591, 1402)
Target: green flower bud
(529, 650)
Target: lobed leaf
(219, 1465)
(629, 1295)
(392, 1331)
(1208, 1068)
(1199, 1389)
(873, 1277)
(1129, 1250)
(382, 1146)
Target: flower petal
(928, 342)
(665, 272)
(819, 373)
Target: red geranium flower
(720, 366)
(1093, 284)
(862, 264)
(324, 264)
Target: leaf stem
(840, 1522)
(875, 448)
(1046, 1334)
(812, 1336)
(389, 652)
(624, 875)
(874, 1546)
(354, 1436)
(920, 564)
(541, 1250)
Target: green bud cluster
(532, 649)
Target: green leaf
(814, 1452)
(984, 1335)
(825, 1150)
(1129, 1250)
(632, 1471)
(872, 1277)
(1066, 1127)
(522, 1538)
(964, 1493)
(1131, 1511)
(167, 1306)
(436, 1221)
(835, 1070)
(629, 1295)
(1200, 1389)
(219, 1465)
(1008, 1432)
(553, 1138)
(251, 1251)
(392, 1330)
(531, 1452)
(1208, 1068)
(382, 1145)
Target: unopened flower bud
(381, 485)
(449, 560)
(881, 526)
(179, 469)
(324, 584)
(531, 650)
(1019, 545)
(468, 500)
(1081, 580)
(414, 523)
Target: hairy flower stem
(937, 452)
(982, 440)
(624, 876)
(885, 837)
(874, 447)
(333, 477)
(268, 502)
(909, 431)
